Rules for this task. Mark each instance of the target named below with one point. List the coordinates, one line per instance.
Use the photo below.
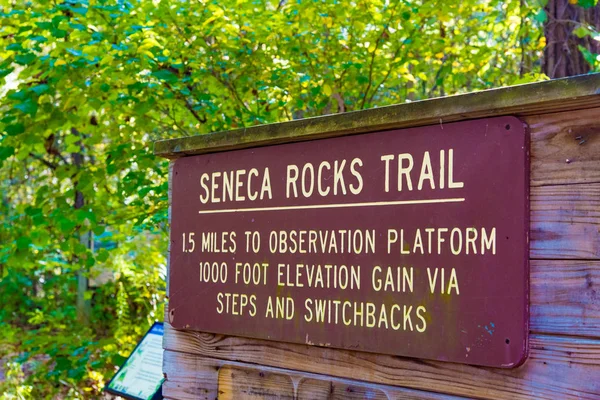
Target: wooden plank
(565, 222)
(542, 97)
(565, 297)
(188, 376)
(558, 367)
(237, 382)
(187, 379)
(195, 377)
(309, 389)
(340, 389)
(565, 147)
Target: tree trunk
(83, 304)
(562, 56)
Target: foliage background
(86, 86)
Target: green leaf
(25, 59)
(23, 243)
(84, 214)
(59, 33)
(39, 89)
(72, 139)
(14, 47)
(23, 152)
(541, 16)
(8, 119)
(14, 129)
(40, 39)
(72, 148)
(62, 364)
(44, 25)
(90, 261)
(79, 10)
(56, 20)
(587, 3)
(24, 28)
(5, 152)
(102, 255)
(587, 55)
(66, 225)
(165, 75)
(581, 31)
(143, 107)
(4, 72)
(29, 106)
(18, 95)
(79, 27)
(99, 230)
(118, 359)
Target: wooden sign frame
(563, 117)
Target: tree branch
(187, 104)
(230, 86)
(44, 161)
(437, 75)
(400, 47)
(379, 40)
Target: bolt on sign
(409, 242)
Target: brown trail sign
(403, 242)
(334, 267)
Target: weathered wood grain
(248, 383)
(558, 367)
(185, 378)
(309, 389)
(543, 97)
(325, 387)
(565, 147)
(565, 297)
(565, 221)
(195, 377)
(236, 382)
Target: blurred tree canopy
(86, 86)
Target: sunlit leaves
(586, 3)
(541, 16)
(28, 106)
(165, 75)
(5, 152)
(14, 129)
